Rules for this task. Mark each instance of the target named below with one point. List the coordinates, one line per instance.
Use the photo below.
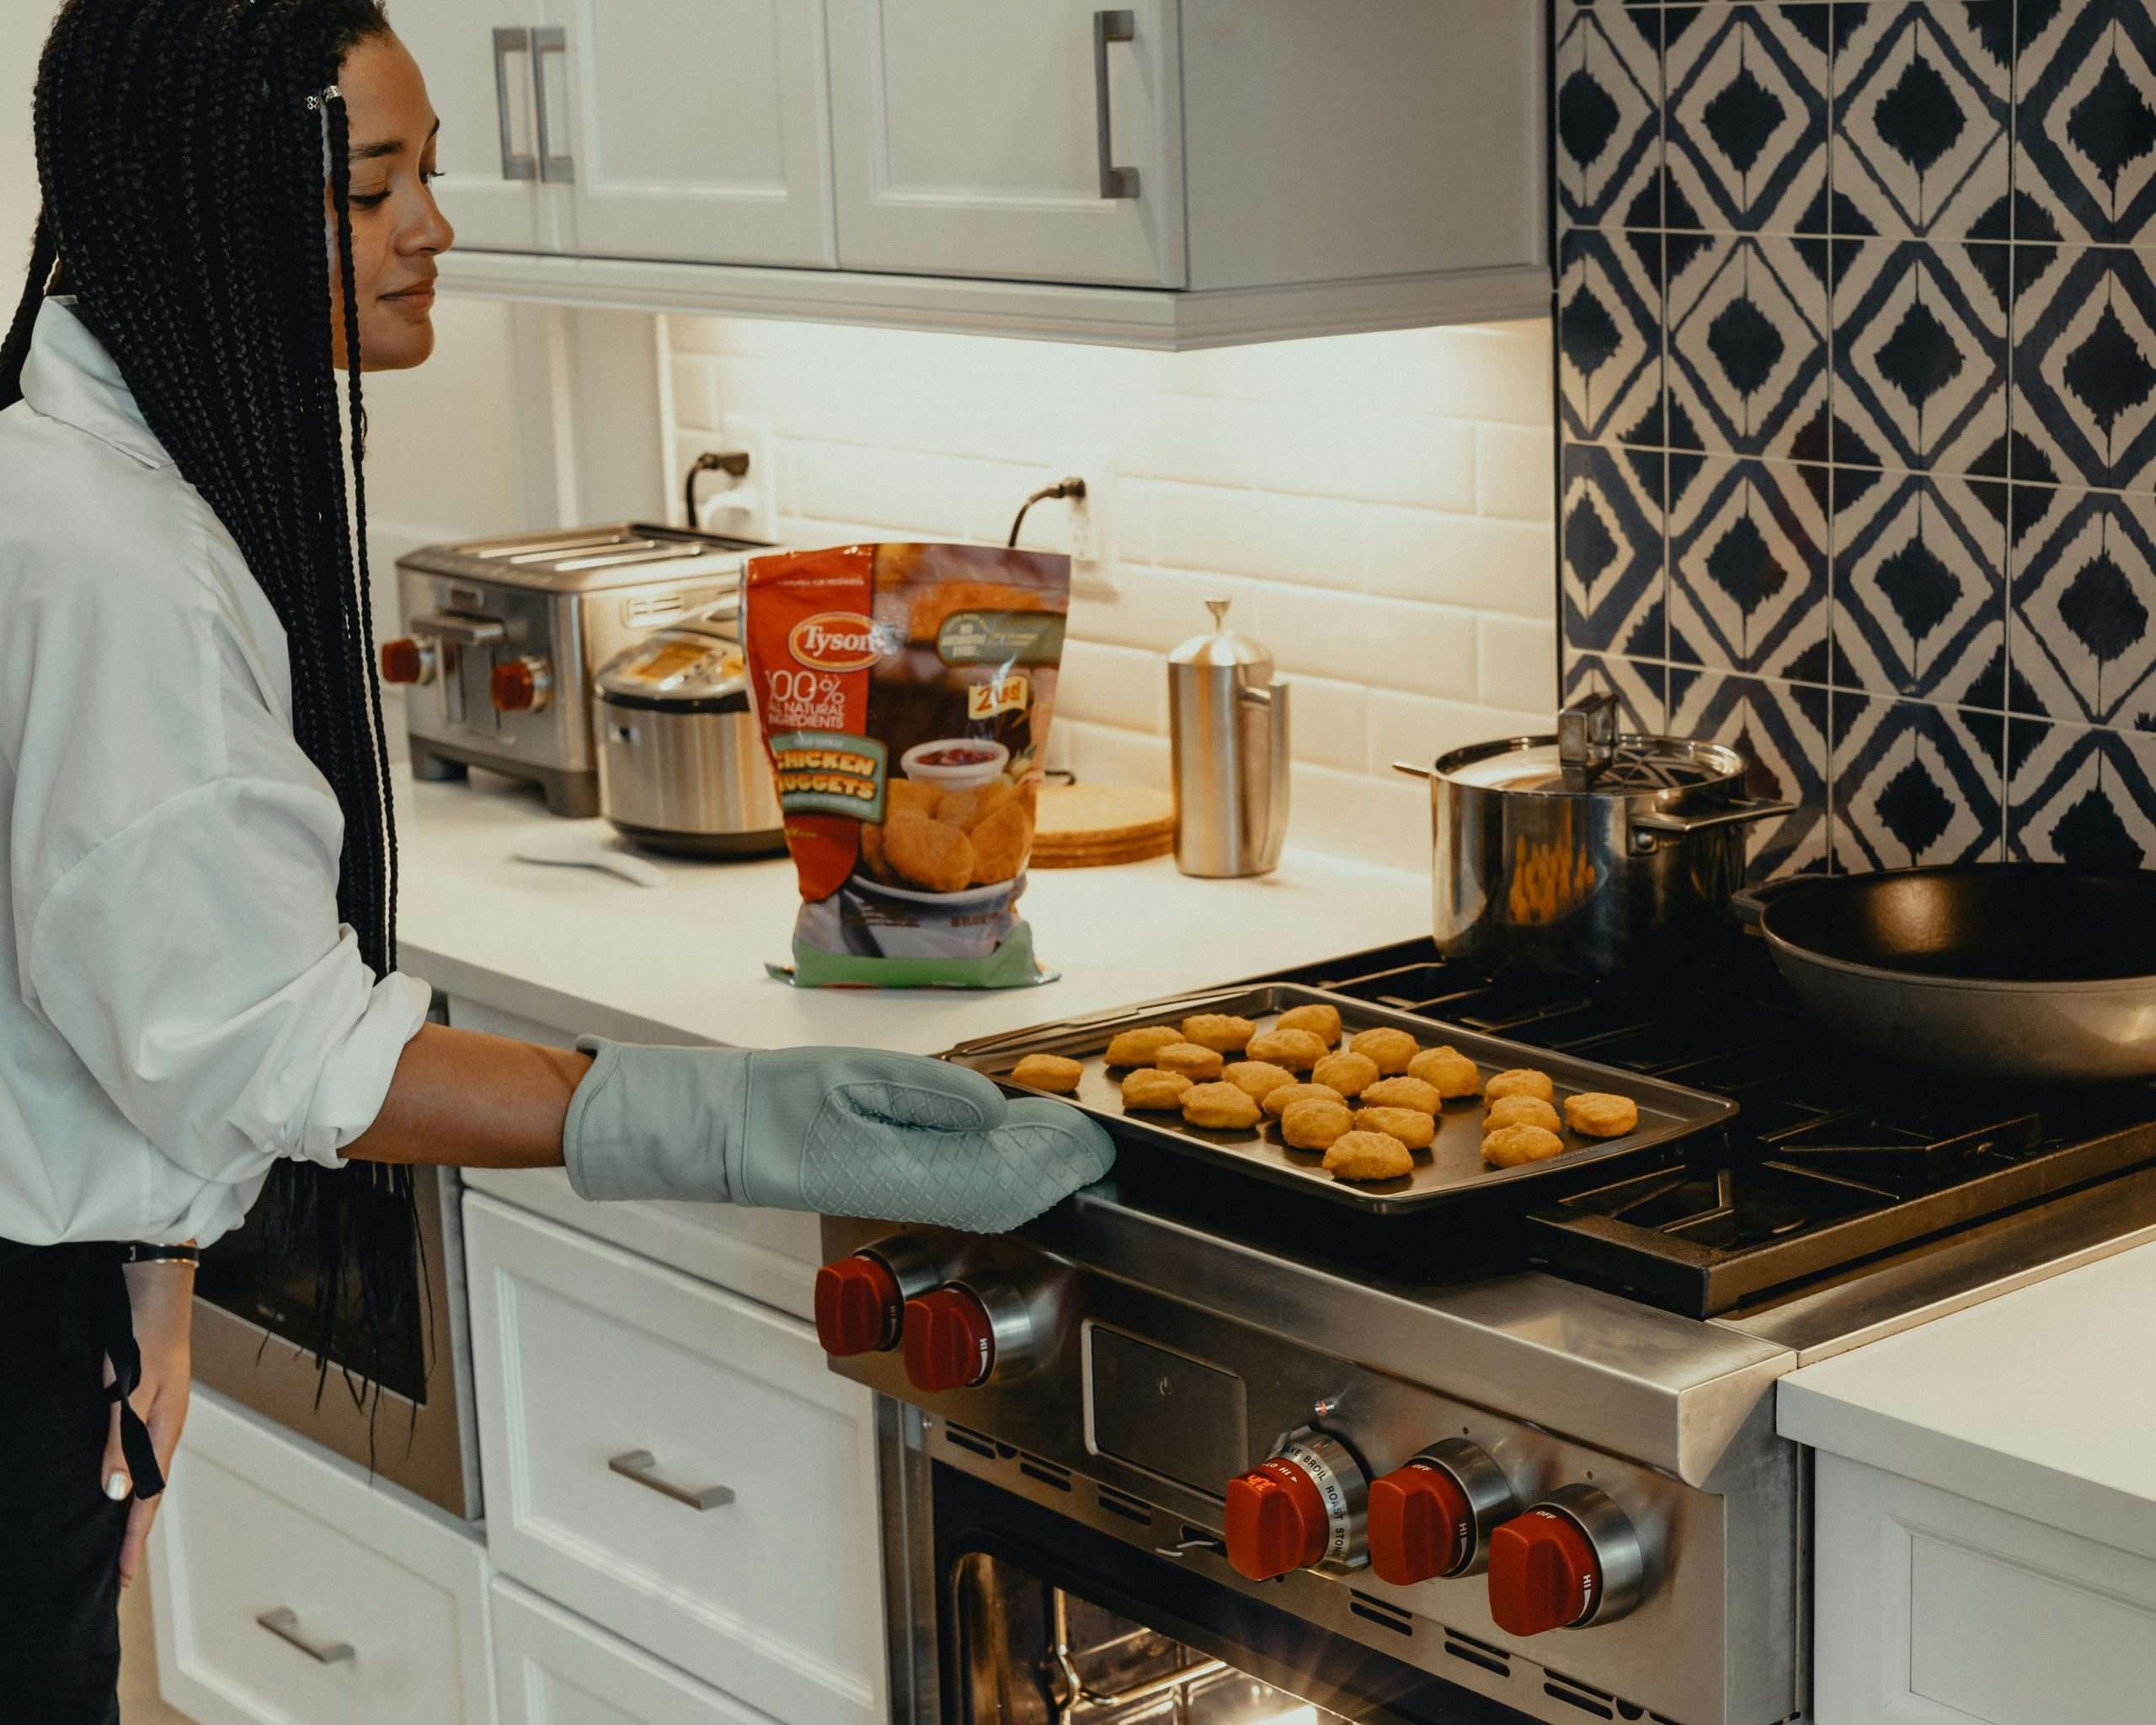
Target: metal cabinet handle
(643, 1467)
(515, 163)
(1111, 27)
(284, 1623)
(555, 170)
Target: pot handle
(1748, 904)
(1745, 809)
(1413, 771)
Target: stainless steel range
(1509, 1460)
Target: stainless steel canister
(1589, 851)
(1228, 735)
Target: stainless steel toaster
(502, 637)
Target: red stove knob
(523, 684)
(950, 1340)
(1422, 1525)
(1276, 1521)
(1571, 1560)
(859, 1306)
(405, 661)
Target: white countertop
(584, 951)
(2041, 1402)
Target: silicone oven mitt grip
(853, 1132)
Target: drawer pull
(643, 1467)
(284, 1623)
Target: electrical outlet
(746, 508)
(1085, 527)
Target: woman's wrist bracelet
(148, 1251)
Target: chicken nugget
(1403, 1092)
(873, 862)
(1152, 1090)
(1521, 1081)
(1411, 1126)
(928, 854)
(1136, 1048)
(1297, 1050)
(1449, 1071)
(1260, 1078)
(1368, 1156)
(1202, 1066)
(1221, 1107)
(1346, 1072)
(1219, 1030)
(1280, 1101)
(1314, 1123)
(1509, 1147)
(911, 793)
(1051, 1073)
(967, 809)
(1001, 843)
(1598, 1113)
(1520, 1111)
(1322, 1022)
(1390, 1048)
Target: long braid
(184, 174)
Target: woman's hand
(163, 1294)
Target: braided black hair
(184, 150)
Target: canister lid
(1223, 647)
(693, 667)
(1534, 765)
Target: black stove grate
(1836, 1157)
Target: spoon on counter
(582, 848)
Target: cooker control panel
(1571, 1560)
(1304, 1508)
(965, 1333)
(860, 1299)
(1434, 1516)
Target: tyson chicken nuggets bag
(904, 692)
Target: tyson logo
(838, 640)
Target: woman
(197, 970)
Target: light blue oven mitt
(848, 1132)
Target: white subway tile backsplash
(1367, 455)
(1309, 540)
(1418, 729)
(1159, 608)
(1517, 664)
(695, 392)
(1327, 721)
(1388, 643)
(1515, 473)
(1117, 685)
(1465, 560)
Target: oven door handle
(1183, 1548)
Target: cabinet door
(551, 1668)
(481, 83)
(695, 130)
(969, 139)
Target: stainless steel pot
(682, 767)
(1587, 851)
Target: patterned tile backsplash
(1856, 324)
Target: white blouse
(179, 1005)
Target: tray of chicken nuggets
(1379, 1110)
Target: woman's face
(397, 231)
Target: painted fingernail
(115, 1485)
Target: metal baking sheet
(1452, 1169)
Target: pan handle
(1413, 771)
(1747, 809)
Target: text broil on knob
(1301, 1508)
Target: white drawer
(552, 1668)
(584, 1354)
(257, 1524)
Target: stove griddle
(1451, 1170)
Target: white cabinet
(1042, 140)
(551, 1668)
(689, 130)
(678, 1466)
(289, 1591)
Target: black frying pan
(2023, 971)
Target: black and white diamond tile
(1921, 97)
(1609, 336)
(1744, 91)
(1921, 586)
(2085, 117)
(1781, 729)
(2084, 366)
(1609, 116)
(1640, 685)
(1747, 361)
(2082, 642)
(1914, 784)
(1747, 566)
(1920, 355)
(2086, 797)
(1610, 527)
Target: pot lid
(1536, 766)
(1223, 647)
(689, 663)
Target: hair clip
(330, 92)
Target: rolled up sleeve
(196, 964)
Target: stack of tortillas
(1094, 826)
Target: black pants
(59, 1534)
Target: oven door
(1042, 1619)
